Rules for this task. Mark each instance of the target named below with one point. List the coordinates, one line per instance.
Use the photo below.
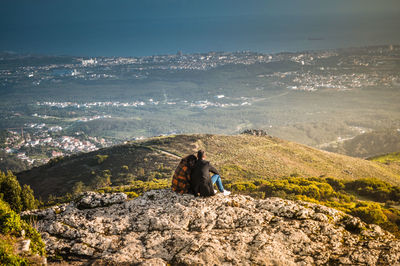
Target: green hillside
(239, 158)
(369, 144)
(392, 159)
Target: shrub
(335, 184)
(279, 194)
(28, 199)
(389, 203)
(375, 189)
(313, 188)
(369, 212)
(157, 175)
(131, 195)
(101, 158)
(243, 186)
(343, 196)
(78, 188)
(102, 180)
(7, 256)
(37, 245)
(11, 190)
(11, 223)
(258, 194)
(17, 198)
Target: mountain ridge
(238, 157)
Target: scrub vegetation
(13, 228)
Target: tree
(11, 190)
(78, 188)
(101, 158)
(28, 199)
(102, 180)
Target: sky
(147, 27)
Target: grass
(387, 158)
(274, 158)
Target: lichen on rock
(163, 227)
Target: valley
(312, 97)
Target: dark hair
(200, 154)
(191, 159)
(191, 162)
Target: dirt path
(169, 154)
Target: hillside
(164, 228)
(390, 158)
(369, 144)
(239, 158)
(11, 162)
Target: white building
(88, 62)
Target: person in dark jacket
(200, 182)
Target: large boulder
(163, 227)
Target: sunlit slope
(237, 157)
(245, 156)
(390, 158)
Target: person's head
(191, 159)
(201, 155)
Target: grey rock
(162, 227)
(90, 200)
(25, 245)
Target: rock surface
(162, 227)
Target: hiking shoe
(226, 192)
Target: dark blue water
(140, 37)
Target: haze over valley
(58, 105)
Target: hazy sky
(46, 11)
(130, 27)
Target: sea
(145, 37)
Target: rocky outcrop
(89, 200)
(255, 132)
(162, 227)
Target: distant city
(104, 68)
(53, 128)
